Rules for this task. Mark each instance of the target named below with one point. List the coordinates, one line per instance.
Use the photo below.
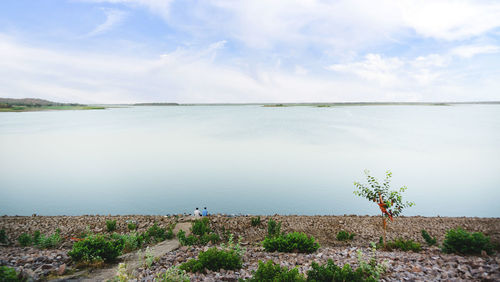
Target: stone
(61, 269)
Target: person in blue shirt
(204, 212)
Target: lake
(249, 159)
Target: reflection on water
(248, 159)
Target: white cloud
(339, 24)
(113, 18)
(373, 67)
(160, 7)
(450, 19)
(469, 51)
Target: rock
(61, 269)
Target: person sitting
(197, 213)
(204, 212)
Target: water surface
(248, 159)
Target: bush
(269, 272)
(110, 225)
(273, 228)
(344, 235)
(8, 274)
(404, 245)
(173, 274)
(255, 221)
(3, 237)
(428, 239)
(202, 234)
(158, 234)
(47, 242)
(213, 259)
(25, 240)
(95, 248)
(332, 272)
(291, 242)
(200, 227)
(463, 242)
(131, 242)
(131, 226)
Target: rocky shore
(429, 264)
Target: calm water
(248, 159)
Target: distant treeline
(156, 104)
(31, 102)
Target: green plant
(131, 226)
(173, 274)
(131, 241)
(200, 227)
(271, 272)
(8, 274)
(170, 233)
(95, 248)
(231, 246)
(344, 235)
(255, 221)
(371, 269)
(148, 258)
(121, 274)
(463, 242)
(213, 259)
(430, 241)
(401, 244)
(110, 225)
(3, 237)
(156, 233)
(390, 202)
(47, 242)
(331, 272)
(273, 228)
(291, 242)
(202, 234)
(25, 240)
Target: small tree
(390, 202)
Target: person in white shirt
(197, 212)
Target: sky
(232, 51)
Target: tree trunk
(384, 224)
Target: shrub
(344, 235)
(47, 242)
(269, 272)
(200, 227)
(110, 225)
(404, 245)
(8, 274)
(463, 242)
(255, 221)
(131, 241)
(131, 226)
(273, 228)
(3, 237)
(36, 237)
(430, 241)
(173, 274)
(291, 242)
(156, 233)
(95, 248)
(25, 240)
(170, 234)
(332, 272)
(202, 234)
(213, 259)
(231, 246)
(371, 268)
